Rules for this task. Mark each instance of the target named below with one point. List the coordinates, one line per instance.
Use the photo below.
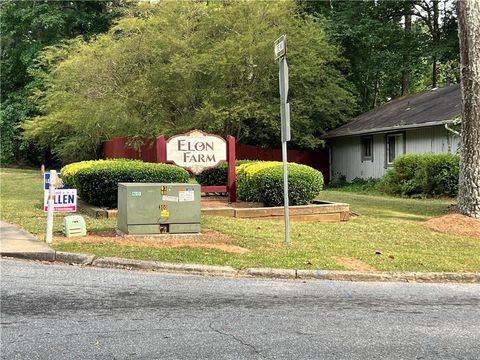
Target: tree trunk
(436, 40)
(406, 55)
(469, 35)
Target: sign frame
(197, 169)
(230, 188)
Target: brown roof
(434, 107)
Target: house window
(395, 147)
(367, 148)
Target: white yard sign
(65, 200)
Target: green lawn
(392, 226)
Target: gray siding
(346, 152)
(437, 140)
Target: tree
(383, 53)
(395, 47)
(441, 46)
(26, 28)
(193, 64)
(469, 184)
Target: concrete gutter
(227, 271)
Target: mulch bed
(455, 224)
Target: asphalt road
(66, 312)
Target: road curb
(31, 255)
(267, 273)
(120, 263)
(74, 258)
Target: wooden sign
(196, 150)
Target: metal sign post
(51, 194)
(280, 48)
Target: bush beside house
(427, 174)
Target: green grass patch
(391, 226)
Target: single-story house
(366, 146)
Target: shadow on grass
(39, 206)
(392, 207)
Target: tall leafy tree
(381, 53)
(396, 47)
(439, 20)
(26, 28)
(193, 64)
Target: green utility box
(74, 225)
(151, 208)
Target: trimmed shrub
(244, 173)
(439, 174)
(98, 184)
(263, 182)
(218, 175)
(70, 171)
(214, 176)
(428, 174)
(304, 184)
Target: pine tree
(469, 184)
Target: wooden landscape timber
(324, 212)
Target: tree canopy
(396, 47)
(173, 65)
(184, 65)
(26, 27)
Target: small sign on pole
(56, 199)
(64, 200)
(280, 49)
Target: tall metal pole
(280, 47)
(285, 193)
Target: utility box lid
(74, 225)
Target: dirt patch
(455, 224)
(209, 239)
(353, 264)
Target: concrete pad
(16, 242)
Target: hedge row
(70, 171)
(97, 181)
(263, 182)
(428, 174)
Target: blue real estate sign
(65, 200)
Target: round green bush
(218, 175)
(438, 174)
(400, 180)
(426, 174)
(304, 184)
(98, 184)
(214, 176)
